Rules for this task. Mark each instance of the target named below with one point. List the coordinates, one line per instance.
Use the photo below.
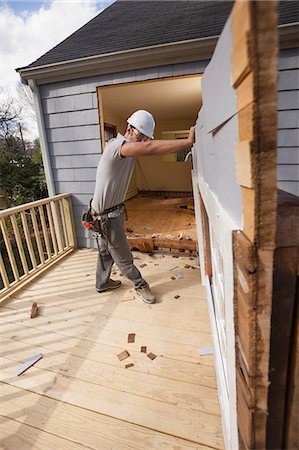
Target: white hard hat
(144, 122)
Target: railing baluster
(64, 226)
(9, 250)
(62, 234)
(28, 239)
(37, 236)
(52, 228)
(19, 243)
(45, 231)
(3, 273)
(60, 239)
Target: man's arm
(158, 147)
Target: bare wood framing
(9, 250)
(45, 231)
(69, 223)
(59, 228)
(254, 77)
(37, 235)
(19, 243)
(28, 239)
(52, 229)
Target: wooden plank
(45, 231)
(25, 206)
(16, 435)
(19, 243)
(9, 249)
(240, 59)
(244, 163)
(249, 217)
(70, 226)
(138, 383)
(3, 273)
(245, 123)
(28, 239)
(52, 228)
(245, 92)
(58, 227)
(89, 429)
(37, 235)
(189, 424)
(31, 276)
(64, 224)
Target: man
(113, 176)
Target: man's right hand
(191, 136)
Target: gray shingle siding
(288, 121)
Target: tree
(21, 172)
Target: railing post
(69, 222)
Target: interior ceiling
(178, 98)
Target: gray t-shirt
(113, 176)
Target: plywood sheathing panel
(254, 78)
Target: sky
(28, 29)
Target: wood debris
(172, 267)
(27, 364)
(142, 265)
(127, 297)
(173, 278)
(123, 355)
(151, 356)
(177, 296)
(143, 349)
(131, 338)
(129, 365)
(187, 266)
(34, 310)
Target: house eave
(140, 58)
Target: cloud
(28, 35)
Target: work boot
(111, 284)
(145, 294)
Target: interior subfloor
(80, 395)
(161, 218)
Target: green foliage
(22, 177)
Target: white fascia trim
(174, 52)
(43, 138)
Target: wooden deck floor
(79, 395)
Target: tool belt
(91, 219)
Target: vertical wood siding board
(288, 59)
(288, 80)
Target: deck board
(170, 402)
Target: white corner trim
(43, 138)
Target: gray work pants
(114, 247)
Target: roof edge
(140, 58)
(162, 54)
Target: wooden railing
(33, 237)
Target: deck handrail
(33, 237)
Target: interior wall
(172, 110)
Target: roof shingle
(135, 24)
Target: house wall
(288, 121)
(70, 111)
(214, 176)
